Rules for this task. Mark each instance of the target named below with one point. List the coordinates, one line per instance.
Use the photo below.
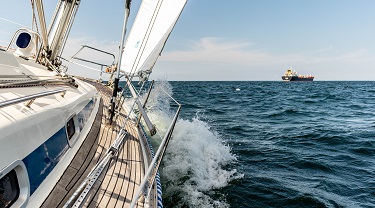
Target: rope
(14, 22)
(146, 37)
(34, 18)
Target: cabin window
(9, 189)
(23, 40)
(70, 128)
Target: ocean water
(269, 144)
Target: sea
(268, 143)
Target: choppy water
(271, 144)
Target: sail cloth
(151, 28)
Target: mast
(42, 21)
(117, 78)
(60, 27)
(54, 40)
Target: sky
(242, 40)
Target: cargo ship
(291, 75)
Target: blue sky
(237, 40)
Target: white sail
(151, 28)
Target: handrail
(155, 163)
(87, 67)
(86, 46)
(92, 48)
(81, 193)
(30, 98)
(84, 60)
(23, 83)
(88, 61)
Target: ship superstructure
(292, 75)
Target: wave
(195, 165)
(197, 160)
(284, 112)
(312, 165)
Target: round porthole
(23, 40)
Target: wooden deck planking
(119, 181)
(117, 198)
(124, 162)
(109, 183)
(104, 143)
(103, 184)
(104, 139)
(129, 193)
(116, 188)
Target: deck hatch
(9, 60)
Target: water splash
(195, 163)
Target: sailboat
(69, 141)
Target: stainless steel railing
(149, 178)
(40, 82)
(74, 57)
(29, 99)
(147, 183)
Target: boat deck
(119, 180)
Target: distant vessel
(291, 75)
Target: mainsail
(151, 28)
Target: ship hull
(296, 78)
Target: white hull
(30, 135)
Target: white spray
(194, 161)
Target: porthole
(9, 189)
(70, 128)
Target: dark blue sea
(271, 144)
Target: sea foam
(196, 159)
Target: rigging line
(158, 132)
(14, 22)
(34, 18)
(122, 92)
(140, 89)
(126, 120)
(123, 97)
(129, 113)
(149, 29)
(171, 97)
(131, 110)
(137, 98)
(145, 38)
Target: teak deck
(119, 180)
